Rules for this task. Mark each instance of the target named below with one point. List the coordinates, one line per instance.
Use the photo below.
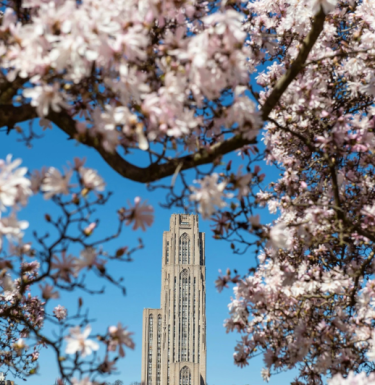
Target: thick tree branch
(296, 66)
(10, 115)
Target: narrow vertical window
(167, 252)
(194, 320)
(169, 352)
(200, 244)
(174, 319)
(150, 336)
(199, 340)
(184, 315)
(158, 357)
(184, 252)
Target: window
(184, 315)
(158, 363)
(185, 376)
(150, 335)
(167, 252)
(184, 253)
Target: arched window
(184, 249)
(185, 376)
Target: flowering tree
(184, 83)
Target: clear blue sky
(142, 277)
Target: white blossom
(14, 186)
(280, 236)
(45, 96)
(91, 179)
(328, 5)
(209, 194)
(55, 183)
(78, 342)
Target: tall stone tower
(174, 336)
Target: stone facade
(174, 336)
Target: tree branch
(11, 115)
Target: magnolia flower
(65, 266)
(209, 195)
(60, 312)
(265, 373)
(48, 293)
(20, 345)
(88, 258)
(14, 187)
(353, 379)
(242, 182)
(7, 283)
(120, 336)
(37, 179)
(141, 214)
(91, 180)
(280, 237)
(45, 96)
(78, 342)
(55, 183)
(12, 228)
(328, 5)
(107, 366)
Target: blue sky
(142, 276)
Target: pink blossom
(88, 258)
(48, 292)
(60, 312)
(120, 336)
(141, 214)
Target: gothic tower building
(174, 336)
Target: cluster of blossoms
(174, 79)
(22, 266)
(200, 56)
(309, 304)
